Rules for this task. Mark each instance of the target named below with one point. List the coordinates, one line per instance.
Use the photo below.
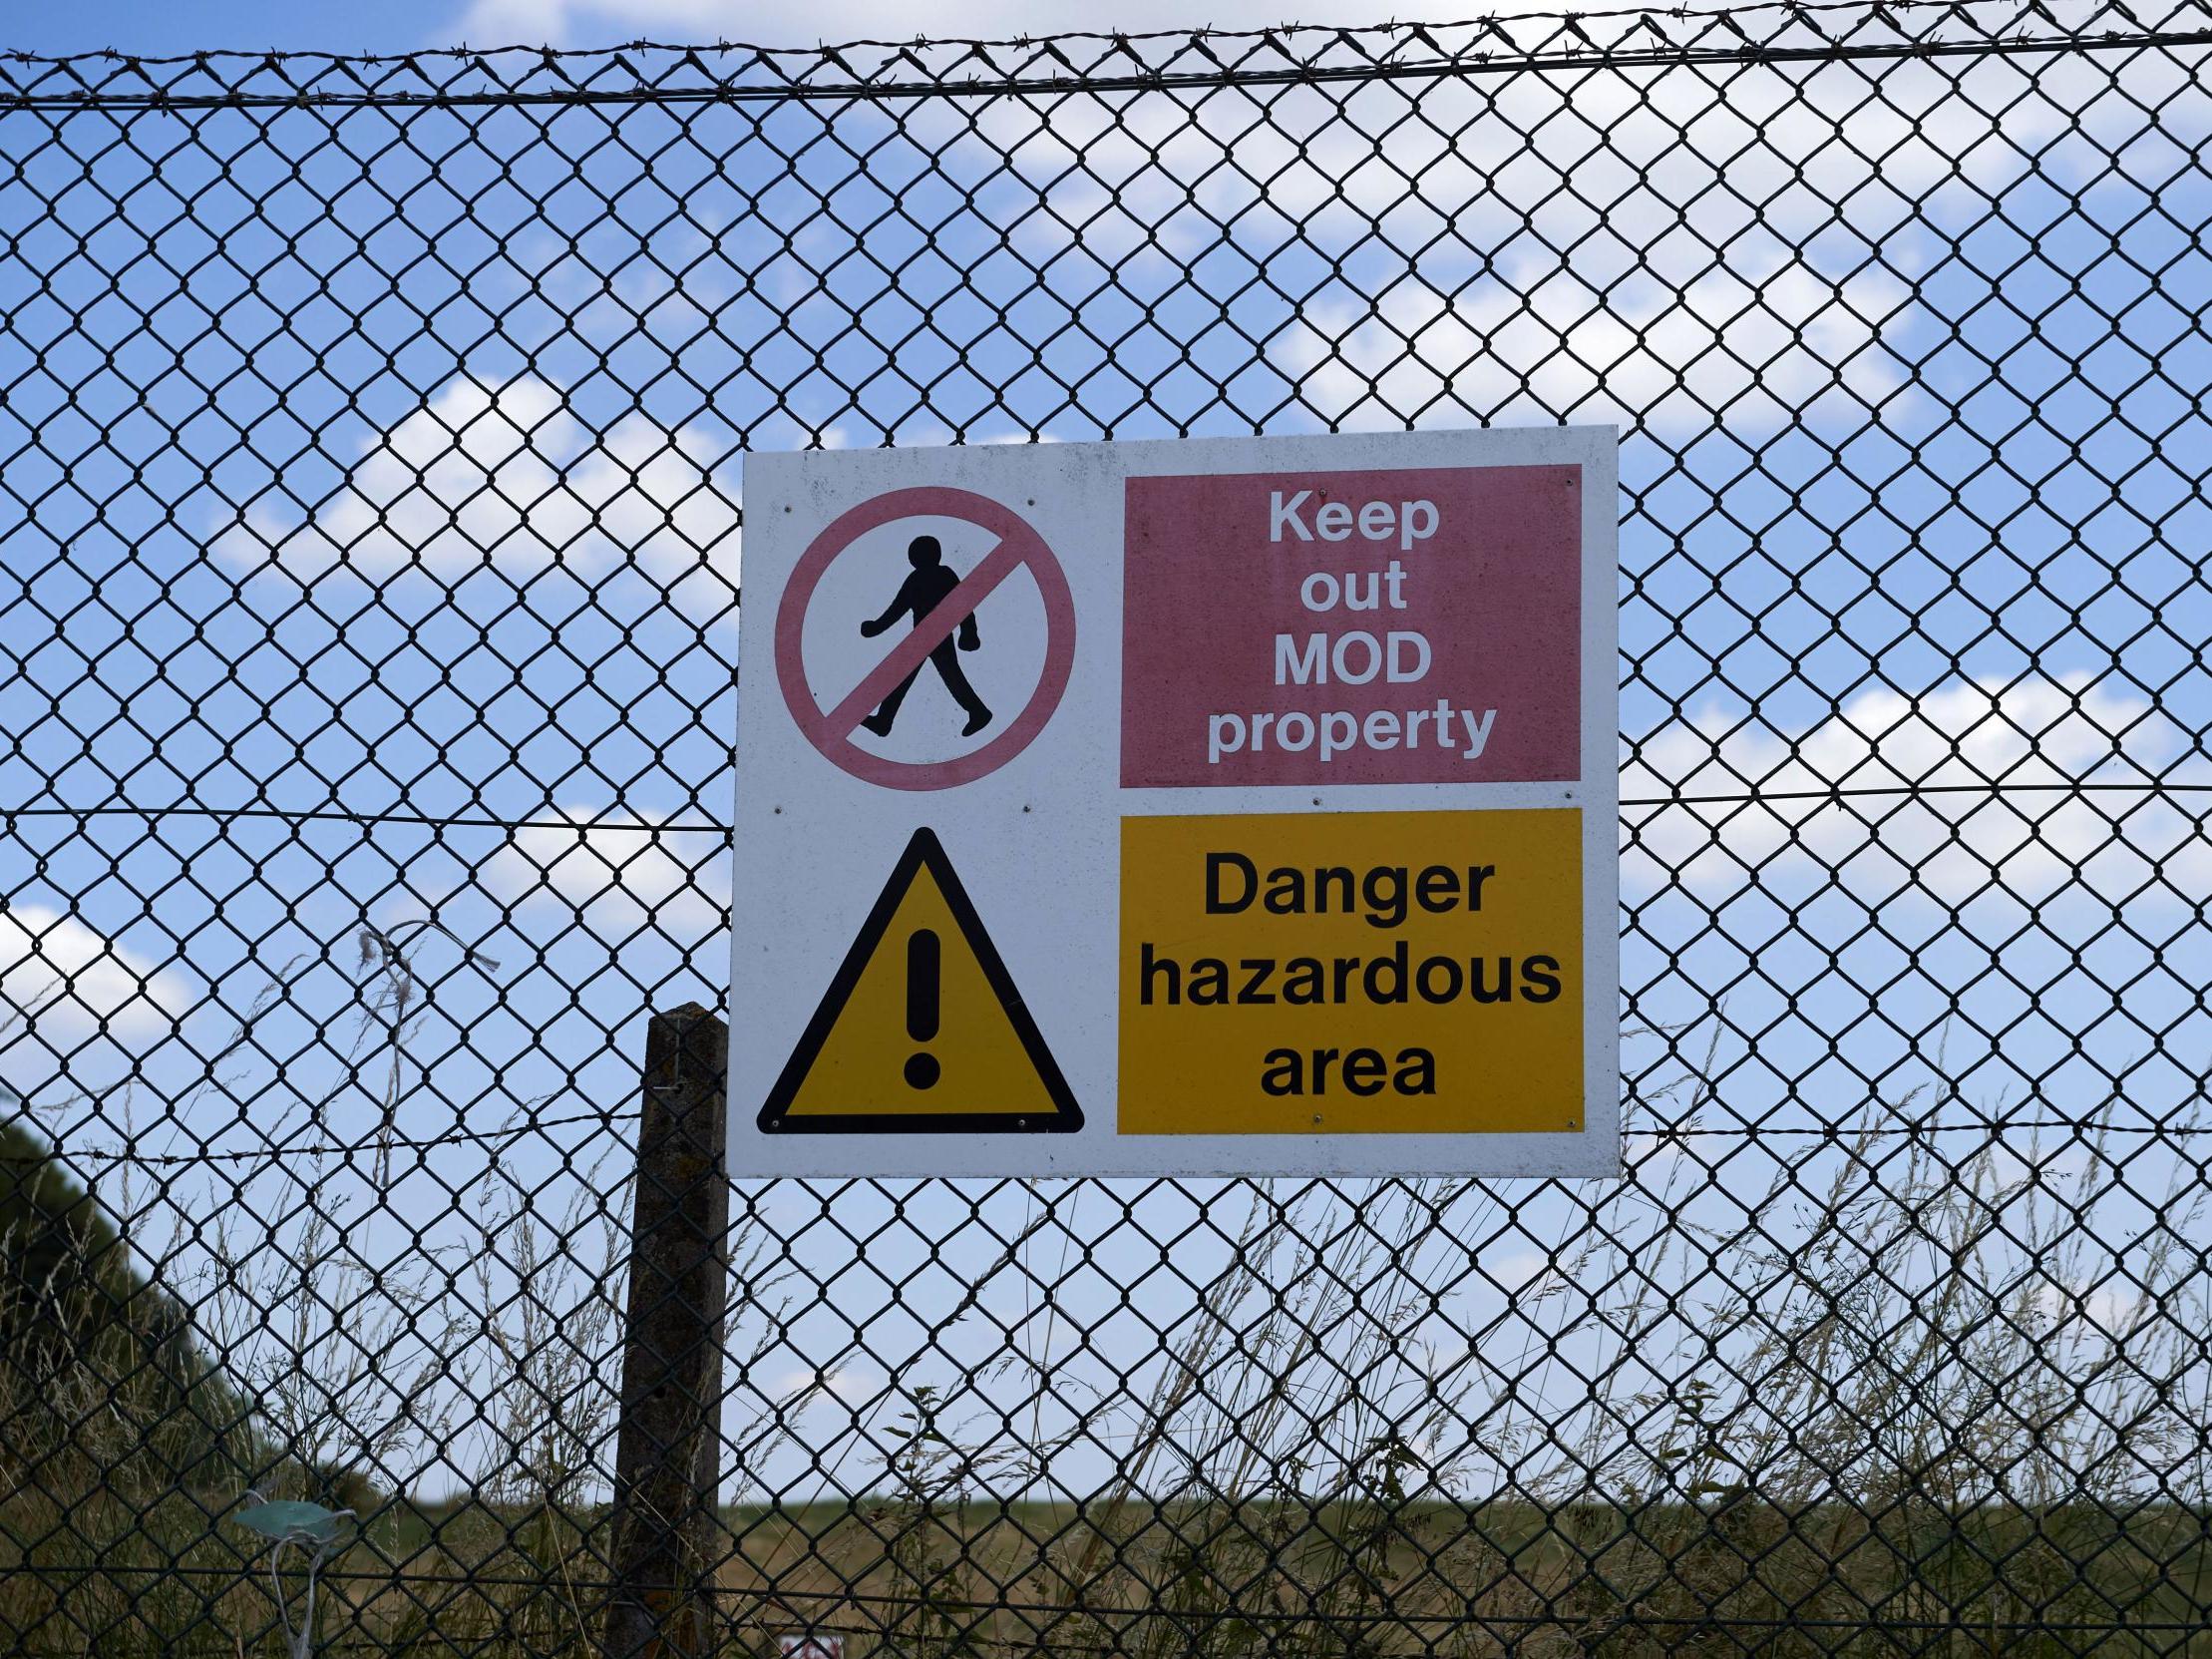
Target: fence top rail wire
(649, 72)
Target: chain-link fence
(370, 530)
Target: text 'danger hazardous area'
(1350, 973)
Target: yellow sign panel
(1328, 974)
(922, 1029)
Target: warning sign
(1365, 973)
(1376, 627)
(1220, 807)
(922, 1032)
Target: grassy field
(1340, 1581)
(1879, 1434)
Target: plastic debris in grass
(309, 1529)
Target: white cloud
(1656, 1158)
(1964, 737)
(484, 23)
(1610, 172)
(1516, 1271)
(1759, 347)
(1648, 250)
(2115, 1310)
(506, 474)
(613, 874)
(60, 983)
(806, 1385)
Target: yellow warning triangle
(922, 1031)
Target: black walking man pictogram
(921, 593)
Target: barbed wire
(1061, 37)
(644, 829)
(619, 1122)
(1377, 63)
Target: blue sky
(425, 505)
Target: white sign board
(1233, 806)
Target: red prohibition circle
(1020, 547)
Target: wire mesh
(371, 549)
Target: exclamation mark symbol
(921, 1003)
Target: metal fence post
(660, 1604)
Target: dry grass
(1900, 1409)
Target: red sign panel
(1383, 627)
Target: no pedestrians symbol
(937, 616)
